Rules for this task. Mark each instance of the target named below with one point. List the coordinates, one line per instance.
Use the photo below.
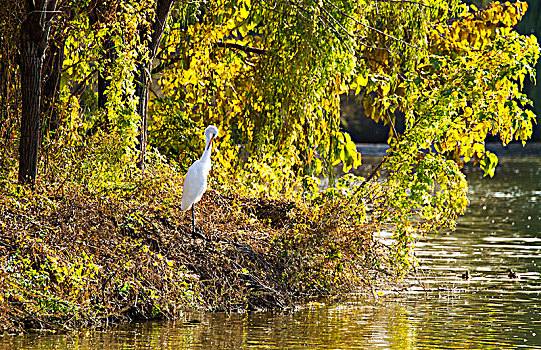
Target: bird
(195, 182)
(465, 275)
(512, 274)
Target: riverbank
(73, 261)
(420, 316)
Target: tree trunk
(143, 79)
(31, 61)
(33, 42)
(51, 86)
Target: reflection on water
(500, 231)
(440, 310)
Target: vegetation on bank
(74, 259)
(103, 108)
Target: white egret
(195, 182)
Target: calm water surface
(440, 310)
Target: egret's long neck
(208, 150)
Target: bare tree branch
(164, 64)
(407, 2)
(245, 48)
(77, 89)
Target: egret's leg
(193, 218)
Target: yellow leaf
(244, 12)
(523, 6)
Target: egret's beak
(210, 142)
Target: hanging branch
(372, 28)
(247, 49)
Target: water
(438, 310)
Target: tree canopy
(270, 74)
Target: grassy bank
(70, 259)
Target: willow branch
(370, 27)
(248, 49)
(328, 23)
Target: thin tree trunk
(142, 91)
(97, 15)
(143, 78)
(9, 81)
(103, 83)
(33, 42)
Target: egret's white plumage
(195, 182)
